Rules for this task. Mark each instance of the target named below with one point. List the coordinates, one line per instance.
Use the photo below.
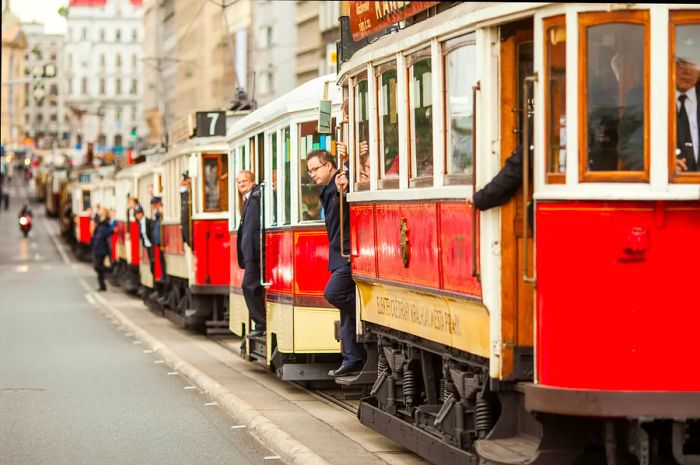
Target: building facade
(318, 29)
(12, 98)
(273, 51)
(45, 120)
(103, 76)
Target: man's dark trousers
(340, 292)
(98, 263)
(253, 294)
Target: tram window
(287, 174)
(460, 77)
(86, 200)
(388, 127)
(361, 135)
(309, 191)
(421, 117)
(215, 170)
(616, 89)
(555, 98)
(684, 158)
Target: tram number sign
(366, 18)
(211, 123)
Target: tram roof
(304, 97)
(139, 169)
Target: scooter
(25, 224)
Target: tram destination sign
(366, 18)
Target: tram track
(334, 394)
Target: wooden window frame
(412, 59)
(547, 24)
(585, 21)
(222, 182)
(677, 18)
(448, 46)
(382, 183)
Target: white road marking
(272, 457)
(33, 246)
(147, 351)
(136, 342)
(208, 404)
(173, 373)
(90, 299)
(37, 257)
(238, 426)
(22, 268)
(158, 362)
(189, 388)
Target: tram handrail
(341, 168)
(526, 174)
(263, 244)
(476, 272)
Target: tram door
(517, 294)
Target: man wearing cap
(687, 108)
(157, 207)
(248, 248)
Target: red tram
(563, 339)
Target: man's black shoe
(345, 370)
(256, 333)
(101, 289)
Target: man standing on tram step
(248, 248)
(340, 290)
(157, 207)
(145, 227)
(100, 246)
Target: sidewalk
(299, 427)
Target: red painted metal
(362, 241)
(456, 240)
(616, 295)
(158, 271)
(310, 262)
(172, 239)
(134, 240)
(84, 225)
(115, 239)
(280, 262)
(236, 271)
(422, 244)
(211, 250)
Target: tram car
(565, 336)
(55, 176)
(272, 142)
(195, 235)
(81, 189)
(148, 185)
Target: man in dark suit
(156, 230)
(248, 247)
(145, 231)
(340, 290)
(688, 114)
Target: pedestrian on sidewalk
(100, 246)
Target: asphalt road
(74, 389)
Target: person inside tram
(185, 186)
(687, 108)
(248, 249)
(340, 290)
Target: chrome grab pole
(263, 243)
(341, 204)
(476, 272)
(526, 173)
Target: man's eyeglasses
(312, 171)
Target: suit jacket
(330, 200)
(248, 240)
(692, 164)
(504, 185)
(101, 239)
(149, 227)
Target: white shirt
(245, 197)
(691, 108)
(142, 228)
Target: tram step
(217, 324)
(364, 377)
(513, 450)
(219, 331)
(306, 371)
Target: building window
(117, 86)
(102, 35)
(268, 37)
(117, 140)
(84, 86)
(102, 60)
(53, 57)
(133, 112)
(84, 36)
(134, 87)
(102, 86)
(134, 62)
(134, 35)
(69, 87)
(117, 35)
(118, 113)
(118, 61)
(70, 60)
(53, 117)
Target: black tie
(684, 140)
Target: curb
(271, 435)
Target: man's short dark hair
(323, 156)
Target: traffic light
(134, 132)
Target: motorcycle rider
(26, 210)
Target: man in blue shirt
(340, 290)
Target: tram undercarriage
(441, 404)
(205, 312)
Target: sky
(41, 11)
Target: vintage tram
(272, 142)
(559, 336)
